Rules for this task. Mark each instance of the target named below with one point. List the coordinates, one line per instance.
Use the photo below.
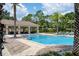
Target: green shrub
(54, 53)
(68, 54)
(51, 54)
(51, 30)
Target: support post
(6, 29)
(37, 29)
(19, 29)
(29, 30)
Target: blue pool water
(45, 39)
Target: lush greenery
(55, 22)
(28, 17)
(58, 53)
(6, 15)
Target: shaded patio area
(20, 26)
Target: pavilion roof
(18, 23)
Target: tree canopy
(27, 18)
(6, 15)
(58, 21)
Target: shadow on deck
(14, 46)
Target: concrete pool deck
(24, 47)
(31, 50)
(55, 34)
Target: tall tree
(6, 15)
(70, 17)
(64, 22)
(14, 5)
(55, 20)
(40, 15)
(28, 17)
(14, 10)
(76, 33)
(41, 18)
(15, 18)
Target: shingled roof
(18, 23)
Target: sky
(24, 9)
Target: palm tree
(70, 17)
(41, 18)
(76, 33)
(64, 22)
(14, 9)
(55, 20)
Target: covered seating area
(20, 26)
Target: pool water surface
(46, 39)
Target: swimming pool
(46, 39)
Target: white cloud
(49, 8)
(21, 10)
(66, 12)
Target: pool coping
(47, 44)
(50, 44)
(38, 46)
(45, 48)
(53, 47)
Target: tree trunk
(76, 33)
(57, 29)
(57, 26)
(1, 10)
(14, 5)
